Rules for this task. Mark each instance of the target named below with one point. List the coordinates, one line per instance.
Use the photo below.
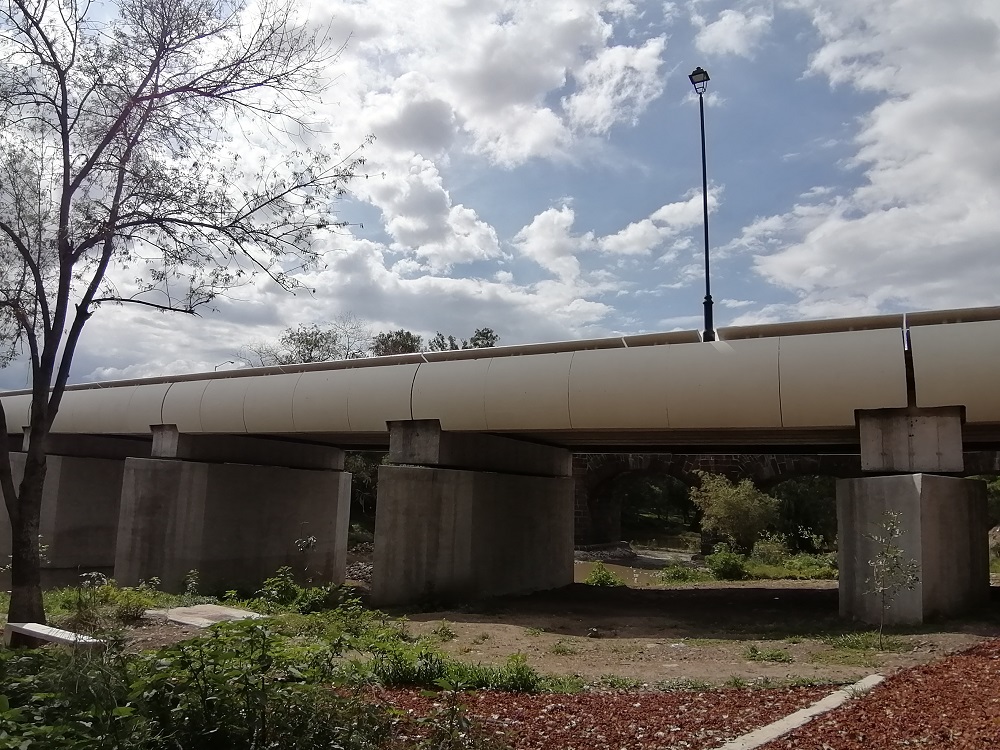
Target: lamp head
(699, 79)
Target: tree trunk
(26, 583)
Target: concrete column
(944, 530)
(464, 515)
(79, 519)
(235, 523)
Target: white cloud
(637, 238)
(420, 216)
(616, 85)
(733, 32)
(923, 225)
(641, 237)
(549, 241)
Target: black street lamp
(699, 79)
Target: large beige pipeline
(787, 376)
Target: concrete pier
(944, 528)
(942, 519)
(463, 516)
(79, 520)
(235, 523)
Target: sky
(537, 169)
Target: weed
(444, 632)
(192, 580)
(616, 682)
(533, 632)
(481, 638)
(735, 681)
(449, 726)
(562, 648)
(754, 653)
(601, 576)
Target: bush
(726, 565)
(739, 512)
(280, 593)
(601, 576)
(213, 692)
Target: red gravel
(953, 703)
(632, 721)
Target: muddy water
(635, 577)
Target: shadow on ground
(737, 611)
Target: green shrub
(726, 565)
(600, 576)
(280, 593)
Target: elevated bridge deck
(785, 387)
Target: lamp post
(227, 362)
(699, 79)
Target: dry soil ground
(695, 632)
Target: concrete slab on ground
(203, 615)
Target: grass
(846, 658)
(791, 571)
(682, 684)
(801, 567)
(677, 573)
(98, 604)
(866, 640)
(777, 655)
(562, 648)
(995, 564)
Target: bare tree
(119, 183)
(347, 337)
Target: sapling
(891, 571)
